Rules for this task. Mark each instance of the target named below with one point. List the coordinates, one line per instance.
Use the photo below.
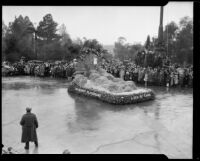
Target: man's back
(28, 120)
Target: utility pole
(35, 40)
(167, 42)
(160, 31)
(160, 46)
(36, 45)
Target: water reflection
(32, 82)
(156, 135)
(155, 110)
(88, 113)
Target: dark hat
(28, 109)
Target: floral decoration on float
(105, 87)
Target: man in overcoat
(29, 124)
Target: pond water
(88, 126)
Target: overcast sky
(107, 23)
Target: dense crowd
(56, 69)
(172, 75)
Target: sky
(105, 23)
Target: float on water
(103, 86)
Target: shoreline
(141, 85)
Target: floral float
(103, 86)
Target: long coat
(29, 124)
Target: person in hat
(29, 124)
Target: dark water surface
(84, 125)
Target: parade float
(92, 81)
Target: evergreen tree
(148, 43)
(47, 28)
(19, 39)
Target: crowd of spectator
(57, 69)
(171, 76)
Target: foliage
(19, 39)
(48, 42)
(93, 44)
(170, 35)
(147, 43)
(4, 31)
(179, 40)
(184, 41)
(65, 37)
(125, 51)
(47, 28)
(107, 55)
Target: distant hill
(109, 48)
